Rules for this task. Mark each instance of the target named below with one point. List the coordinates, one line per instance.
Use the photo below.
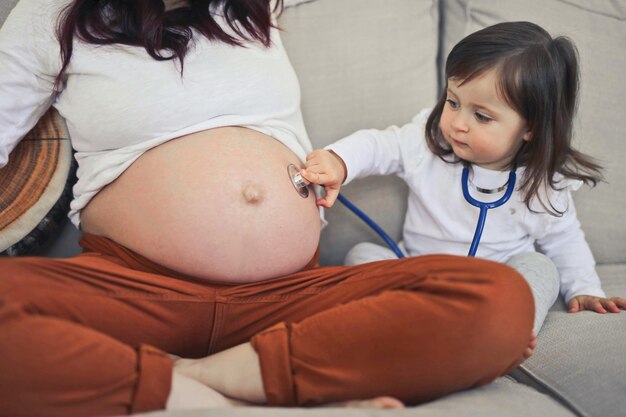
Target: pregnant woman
(184, 116)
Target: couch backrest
(598, 28)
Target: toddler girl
(508, 105)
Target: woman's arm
(29, 59)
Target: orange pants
(87, 336)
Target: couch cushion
(580, 358)
(598, 28)
(362, 64)
(503, 397)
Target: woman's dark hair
(538, 78)
(164, 35)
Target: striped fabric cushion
(35, 186)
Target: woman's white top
(119, 102)
(440, 220)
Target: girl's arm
(376, 152)
(565, 243)
(364, 153)
(28, 54)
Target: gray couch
(372, 63)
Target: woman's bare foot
(188, 393)
(530, 349)
(376, 402)
(234, 373)
(232, 378)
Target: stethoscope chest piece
(299, 183)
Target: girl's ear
(527, 136)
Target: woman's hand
(328, 169)
(597, 304)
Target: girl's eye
(452, 103)
(482, 117)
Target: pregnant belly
(216, 205)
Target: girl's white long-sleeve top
(440, 220)
(119, 102)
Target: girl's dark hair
(164, 35)
(538, 78)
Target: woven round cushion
(35, 187)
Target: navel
(252, 193)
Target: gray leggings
(536, 268)
(543, 278)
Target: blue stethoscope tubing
(480, 225)
(371, 223)
(482, 216)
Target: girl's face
(479, 125)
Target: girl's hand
(597, 304)
(328, 169)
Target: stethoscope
(301, 186)
(483, 206)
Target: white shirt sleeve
(29, 61)
(564, 242)
(382, 152)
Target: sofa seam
(547, 389)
